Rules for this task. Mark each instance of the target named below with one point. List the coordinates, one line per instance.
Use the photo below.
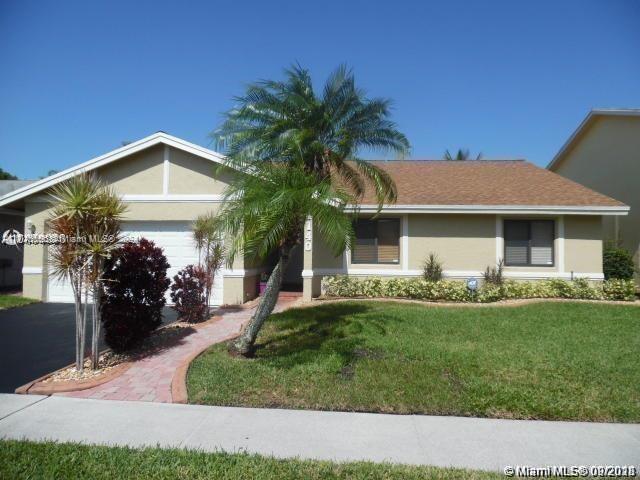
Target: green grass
(53, 460)
(556, 361)
(10, 301)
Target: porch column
(307, 268)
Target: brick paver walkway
(149, 379)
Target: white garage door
(174, 238)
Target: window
(377, 241)
(528, 242)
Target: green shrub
(490, 292)
(432, 268)
(415, 288)
(456, 291)
(617, 263)
(616, 289)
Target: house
(604, 154)
(11, 257)
(471, 214)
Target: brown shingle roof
(485, 182)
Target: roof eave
(498, 209)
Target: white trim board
(241, 273)
(152, 198)
(454, 274)
(165, 170)
(31, 270)
(97, 162)
(405, 242)
(497, 209)
(175, 198)
(560, 245)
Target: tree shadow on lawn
(299, 336)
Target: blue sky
(511, 79)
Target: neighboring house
(471, 214)
(604, 154)
(10, 256)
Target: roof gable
(159, 138)
(585, 125)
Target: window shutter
(516, 241)
(542, 242)
(388, 241)
(365, 243)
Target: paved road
(477, 443)
(37, 339)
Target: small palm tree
(265, 212)
(87, 215)
(463, 154)
(102, 239)
(210, 251)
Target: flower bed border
(38, 387)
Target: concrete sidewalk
(474, 443)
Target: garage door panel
(176, 240)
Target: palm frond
(286, 122)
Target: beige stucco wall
(143, 173)
(168, 210)
(583, 244)
(322, 256)
(606, 158)
(137, 174)
(189, 174)
(461, 242)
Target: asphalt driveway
(37, 339)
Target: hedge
(456, 290)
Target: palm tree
(286, 121)
(265, 212)
(210, 251)
(463, 154)
(87, 215)
(102, 239)
(282, 125)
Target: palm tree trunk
(77, 299)
(83, 327)
(95, 311)
(244, 345)
(96, 323)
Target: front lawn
(52, 460)
(10, 301)
(556, 361)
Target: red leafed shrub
(188, 294)
(134, 287)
